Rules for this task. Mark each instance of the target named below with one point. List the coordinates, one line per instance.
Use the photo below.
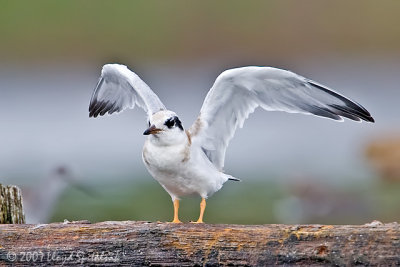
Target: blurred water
(44, 121)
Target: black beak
(152, 130)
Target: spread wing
(236, 93)
(118, 89)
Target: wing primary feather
(113, 109)
(118, 89)
(351, 113)
(106, 108)
(101, 105)
(322, 112)
(352, 107)
(344, 113)
(93, 100)
(93, 108)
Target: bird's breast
(166, 158)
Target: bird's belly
(178, 174)
(179, 185)
(173, 175)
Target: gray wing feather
(118, 89)
(236, 93)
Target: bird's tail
(230, 177)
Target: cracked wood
(144, 243)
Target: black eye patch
(178, 123)
(174, 121)
(169, 123)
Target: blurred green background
(187, 30)
(293, 169)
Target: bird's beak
(152, 130)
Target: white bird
(190, 162)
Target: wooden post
(11, 210)
(166, 244)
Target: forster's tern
(190, 162)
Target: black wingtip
(350, 109)
(97, 108)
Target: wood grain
(11, 205)
(166, 244)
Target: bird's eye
(170, 123)
(178, 123)
(148, 123)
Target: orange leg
(202, 208)
(176, 209)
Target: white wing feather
(118, 89)
(236, 93)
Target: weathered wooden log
(11, 210)
(144, 243)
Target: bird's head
(165, 128)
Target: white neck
(169, 139)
